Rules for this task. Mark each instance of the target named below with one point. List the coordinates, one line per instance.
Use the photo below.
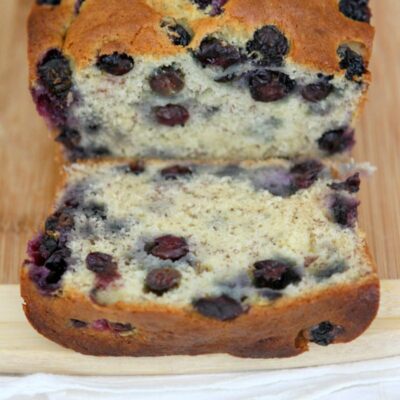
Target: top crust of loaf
(315, 29)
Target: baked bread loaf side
(226, 79)
(256, 259)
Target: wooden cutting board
(24, 351)
(28, 176)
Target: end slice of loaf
(256, 259)
(227, 79)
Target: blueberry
(48, 246)
(269, 46)
(352, 62)
(167, 81)
(175, 171)
(61, 221)
(101, 264)
(161, 280)
(171, 115)
(178, 35)
(268, 86)
(168, 247)
(216, 7)
(356, 9)
(136, 167)
(317, 91)
(351, 184)
(78, 5)
(76, 323)
(304, 174)
(344, 210)
(217, 53)
(337, 141)
(48, 2)
(274, 274)
(324, 333)
(55, 74)
(69, 137)
(57, 265)
(202, 4)
(222, 308)
(115, 63)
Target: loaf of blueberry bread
(256, 259)
(205, 79)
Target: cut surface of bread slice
(228, 80)
(255, 259)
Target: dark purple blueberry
(217, 53)
(178, 35)
(171, 115)
(119, 327)
(344, 210)
(34, 251)
(167, 81)
(274, 274)
(168, 247)
(95, 210)
(356, 9)
(202, 4)
(175, 171)
(352, 62)
(62, 220)
(330, 270)
(50, 107)
(48, 2)
(317, 91)
(216, 7)
(55, 74)
(337, 141)
(76, 323)
(57, 265)
(222, 308)
(161, 280)
(277, 180)
(324, 333)
(116, 63)
(39, 276)
(268, 86)
(304, 174)
(101, 264)
(78, 5)
(69, 137)
(48, 246)
(351, 184)
(269, 46)
(136, 167)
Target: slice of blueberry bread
(226, 79)
(255, 259)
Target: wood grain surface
(28, 172)
(23, 351)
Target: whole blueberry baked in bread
(255, 259)
(205, 79)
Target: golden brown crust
(315, 29)
(264, 332)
